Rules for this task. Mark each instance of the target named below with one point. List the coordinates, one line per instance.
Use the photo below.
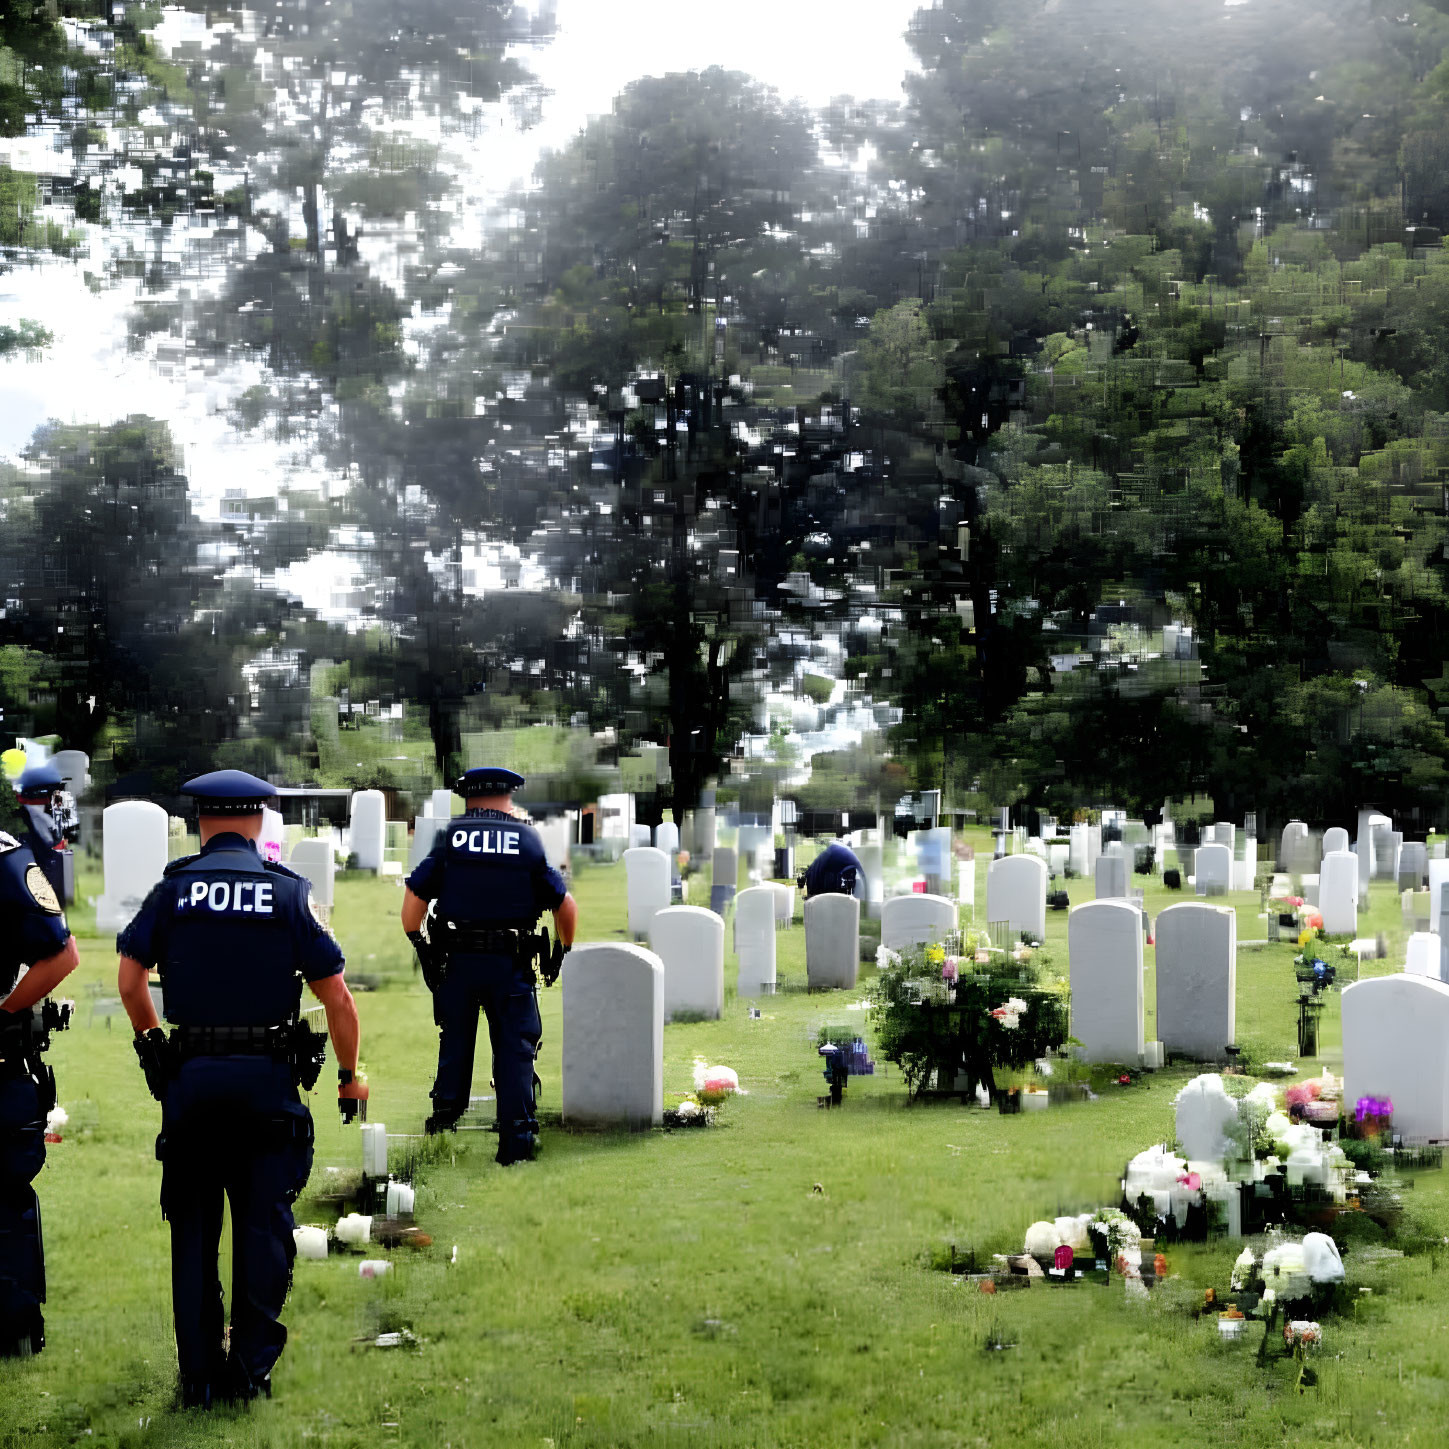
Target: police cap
(228, 792)
(487, 780)
(40, 780)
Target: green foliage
(944, 1014)
(28, 336)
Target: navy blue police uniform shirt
(827, 873)
(33, 919)
(488, 868)
(231, 933)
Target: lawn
(765, 1282)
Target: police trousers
(23, 1105)
(504, 991)
(233, 1129)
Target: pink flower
(1192, 1181)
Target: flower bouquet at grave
(966, 1013)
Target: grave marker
(613, 1037)
(689, 940)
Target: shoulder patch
(8, 842)
(41, 890)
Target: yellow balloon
(13, 762)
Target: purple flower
(1373, 1107)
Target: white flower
(885, 958)
(688, 1108)
(56, 1118)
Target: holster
(308, 1051)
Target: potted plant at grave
(967, 1014)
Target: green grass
(692, 1288)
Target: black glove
(348, 1106)
(429, 958)
(553, 963)
(159, 1061)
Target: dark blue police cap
(487, 780)
(40, 780)
(228, 792)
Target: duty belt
(222, 1041)
(492, 940)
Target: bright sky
(813, 49)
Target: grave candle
(374, 1149)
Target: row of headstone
(1196, 979)
(919, 919)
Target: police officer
(233, 936)
(835, 871)
(33, 933)
(38, 790)
(490, 880)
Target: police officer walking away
(234, 937)
(33, 933)
(489, 881)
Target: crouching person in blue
(490, 880)
(835, 871)
(233, 937)
(33, 934)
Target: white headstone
(933, 857)
(1077, 850)
(666, 837)
(755, 939)
(1438, 879)
(1302, 849)
(639, 835)
(726, 867)
(133, 855)
(1223, 833)
(966, 886)
(1422, 955)
(440, 805)
(689, 940)
(1214, 869)
(368, 828)
(1335, 839)
(1016, 889)
(1104, 952)
(832, 942)
(1363, 845)
(1413, 865)
(753, 841)
(647, 872)
(1386, 846)
(556, 833)
(1396, 1045)
(704, 832)
(1206, 1117)
(1245, 864)
(613, 1036)
(1197, 975)
(1111, 877)
(75, 770)
(918, 920)
(784, 902)
(314, 859)
(1338, 893)
(872, 863)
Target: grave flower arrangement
(962, 1011)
